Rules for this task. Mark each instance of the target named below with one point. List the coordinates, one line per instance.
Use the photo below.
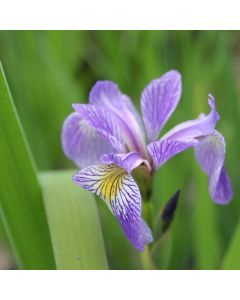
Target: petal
(159, 100)
(210, 153)
(78, 137)
(104, 123)
(183, 136)
(127, 161)
(106, 94)
(162, 151)
(202, 126)
(146, 232)
(120, 192)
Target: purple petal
(104, 123)
(146, 232)
(210, 153)
(121, 193)
(193, 129)
(127, 161)
(162, 151)
(159, 100)
(183, 136)
(78, 137)
(107, 95)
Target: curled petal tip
(211, 102)
(210, 97)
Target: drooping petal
(159, 100)
(127, 161)
(106, 94)
(81, 143)
(121, 193)
(162, 151)
(183, 136)
(210, 153)
(104, 123)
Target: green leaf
(162, 251)
(232, 258)
(74, 223)
(21, 205)
(26, 56)
(206, 236)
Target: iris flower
(106, 140)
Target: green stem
(147, 260)
(146, 256)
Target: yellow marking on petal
(111, 182)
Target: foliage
(49, 70)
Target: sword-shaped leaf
(74, 223)
(21, 206)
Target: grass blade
(21, 205)
(206, 236)
(74, 223)
(232, 258)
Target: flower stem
(146, 256)
(147, 260)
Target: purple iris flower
(106, 140)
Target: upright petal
(159, 100)
(78, 137)
(104, 123)
(120, 192)
(183, 136)
(127, 161)
(210, 153)
(106, 94)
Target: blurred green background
(49, 70)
